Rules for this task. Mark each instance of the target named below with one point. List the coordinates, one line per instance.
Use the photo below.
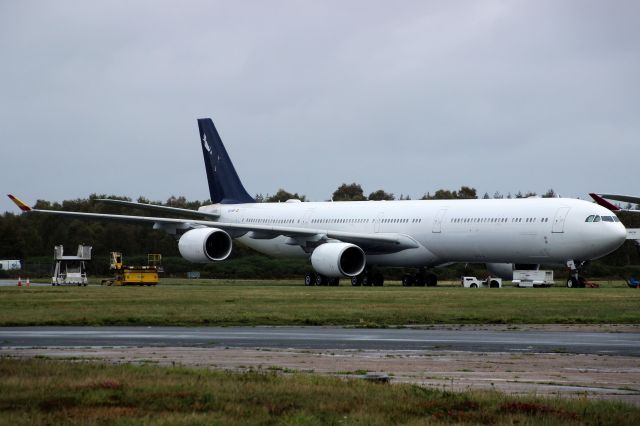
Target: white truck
(10, 265)
(522, 278)
(473, 282)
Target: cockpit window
(595, 218)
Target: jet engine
(338, 260)
(204, 245)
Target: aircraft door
(306, 219)
(378, 222)
(558, 221)
(437, 222)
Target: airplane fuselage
(526, 231)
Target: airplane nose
(604, 240)
(622, 233)
(617, 236)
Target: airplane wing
(370, 243)
(600, 199)
(625, 198)
(163, 209)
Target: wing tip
(18, 202)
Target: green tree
(282, 196)
(351, 192)
(465, 192)
(380, 195)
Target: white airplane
(348, 239)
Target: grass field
(42, 391)
(241, 302)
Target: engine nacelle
(338, 260)
(203, 245)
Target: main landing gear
(420, 279)
(574, 280)
(312, 278)
(368, 279)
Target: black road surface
(328, 338)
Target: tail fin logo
(206, 144)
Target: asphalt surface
(14, 283)
(627, 344)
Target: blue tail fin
(224, 184)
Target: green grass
(41, 391)
(242, 302)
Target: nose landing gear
(575, 280)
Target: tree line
(354, 192)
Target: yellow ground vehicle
(134, 275)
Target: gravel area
(567, 375)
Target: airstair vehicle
(70, 270)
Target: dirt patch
(567, 375)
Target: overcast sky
(408, 96)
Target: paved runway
(14, 283)
(627, 344)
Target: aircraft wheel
(419, 280)
(321, 280)
(367, 280)
(310, 279)
(407, 280)
(378, 279)
(356, 281)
